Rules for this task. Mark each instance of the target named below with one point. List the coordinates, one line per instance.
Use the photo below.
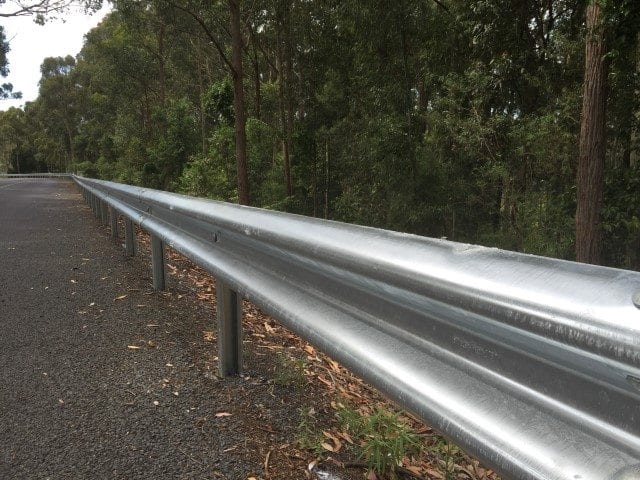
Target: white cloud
(31, 43)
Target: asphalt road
(76, 402)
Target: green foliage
(384, 439)
(290, 372)
(308, 435)
(212, 175)
(266, 171)
(172, 151)
(447, 456)
(218, 103)
(459, 122)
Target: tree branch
(207, 31)
(39, 8)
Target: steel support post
(229, 314)
(157, 262)
(129, 237)
(113, 213)
(98, 209)
(104, 212)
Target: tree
(6, 89)
(456, 121)
(57, 107)
(238, 102)
(590, 176)
(41, 9)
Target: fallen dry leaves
(328, 380)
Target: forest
(506, 123)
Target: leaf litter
(327, 381)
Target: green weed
(384, 439)
(289, 371)
(309, 436)
(447, 455)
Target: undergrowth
(383, 438)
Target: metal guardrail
(35, 175)
(529, 363)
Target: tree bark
(238, 104)
(590, 175)
(288, 75)
(327, 173)
(256, 73)
(162, 80)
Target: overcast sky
(31, 43)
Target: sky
(31, 43)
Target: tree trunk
(238, 104)
(72, 150)
(327, 173)
(288, 74)
(256, 74)
(590, 177)
(161, 67)
(283, 65)
(203, 117)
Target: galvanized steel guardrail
(529, 363)
(35, 175)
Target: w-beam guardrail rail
(35, 175)
(529, 363)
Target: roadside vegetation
(484, 121)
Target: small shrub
(290, 371)
(447, 454)
(384, 439)
(308, 434)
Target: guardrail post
(229, 312)
(97, 210)
(105, 213)
(157, 262)
(129, 237)
(114, 224)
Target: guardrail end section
(229, 313)
(157, 263)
